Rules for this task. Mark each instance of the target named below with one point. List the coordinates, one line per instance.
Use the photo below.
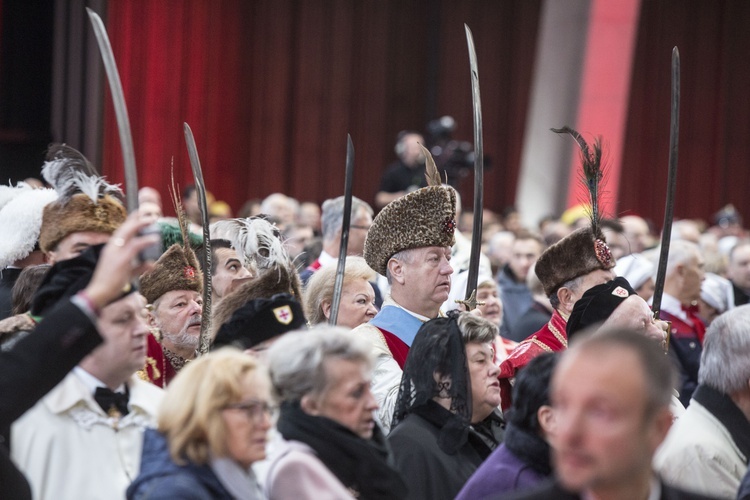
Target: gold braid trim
(558, 335)
(541, 344)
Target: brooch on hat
(189, 272)
(603, 254)
(449, 225)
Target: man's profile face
(603, 435)
(524, 254)
(739, 267)
(428, 275)
(75, 244)
(693, 277)
(228, 269)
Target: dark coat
(162, 479)
(531, 321)
(430, 473)
(554, 490)
(517, 299)
(34, 367)
(8, 277)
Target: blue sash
(398, 322)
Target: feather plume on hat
(584, 250)
(258, 245)
(177, 268)
(86, 202)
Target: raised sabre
(476, 233)
(674, 136)
(121, 110)
(340, 268)
(200, 188)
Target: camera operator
(406, 174)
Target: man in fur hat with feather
(81, 210)
(409, 243)
(174, 292)
(567, 270)
(87, 210)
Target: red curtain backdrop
(714, 149)
(271, 88)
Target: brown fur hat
(577, 254)
(273, 281)
(86, 202)
(423, 218)
(79, 214)
(176, 269)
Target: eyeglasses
(255, 409)
(355, 226)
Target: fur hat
(85, 203)
(279, 279)
(577, 254)
(21, 220)
(176, 269)
(423, 218)
(260, 320)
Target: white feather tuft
(255, 240)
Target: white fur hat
(21, 221)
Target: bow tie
(114, 404)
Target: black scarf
(529, 448)
(363, 466)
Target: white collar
(388, 301)
(673, 306)
(325, 258)
(91, 382)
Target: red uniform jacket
(550, 338)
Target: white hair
(725, 362)
(332, 214)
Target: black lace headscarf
(436, 368)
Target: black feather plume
(591, 159)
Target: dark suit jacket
(32, 368)
(552, 490)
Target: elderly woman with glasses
(212, 427)
(357, 295)
(332, 446)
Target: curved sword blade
(121, 110)
(476, 233)
(674, 140)
(195, 163)
(340, 268)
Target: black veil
(436, 367)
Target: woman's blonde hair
(190, 415)
(320, 287)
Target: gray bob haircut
(725, 362)
(297, 360)
(475, 329)
(332, 214)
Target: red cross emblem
(283, 314)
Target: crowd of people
(213, 369)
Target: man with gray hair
(332, 222)
(707, 449)
(682, 290)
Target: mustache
(195, 320)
